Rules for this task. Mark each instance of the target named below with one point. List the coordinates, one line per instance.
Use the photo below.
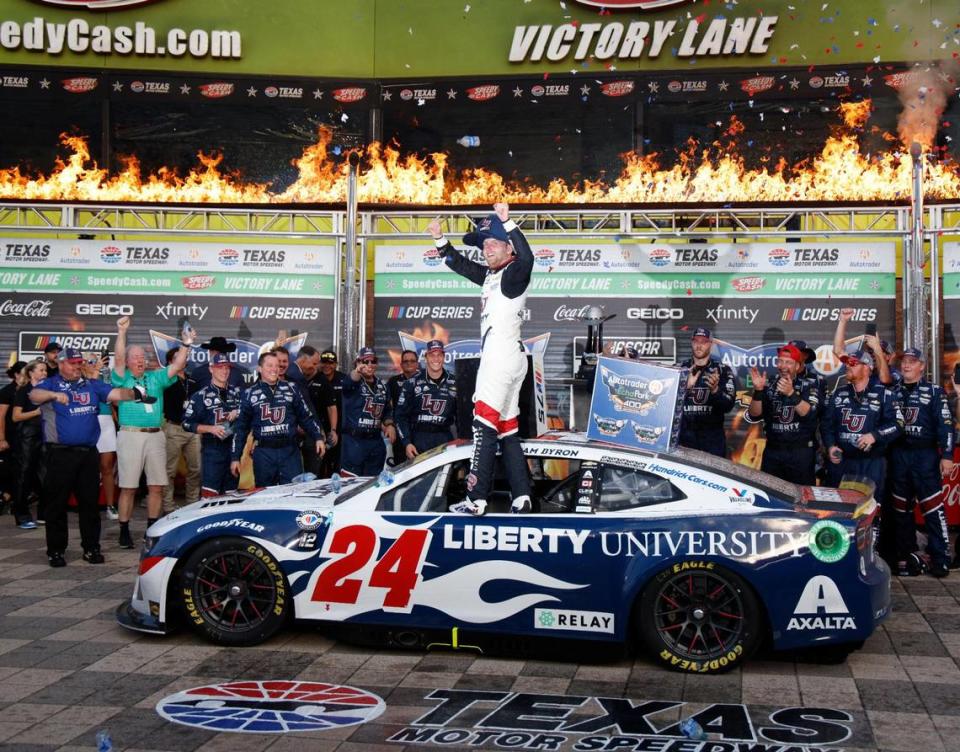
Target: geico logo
(104, 309)
(653, 313)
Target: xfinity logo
(723, 313)
(655, 313)
(172, 311)
(103, 309)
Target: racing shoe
(521, 505)
(93, 556)
(477, 508)
(914, 566)
(125, 540)
(939, 569)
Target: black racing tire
(698, 617)
(233, 592)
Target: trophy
(594, 346)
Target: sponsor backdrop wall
(394, 38)
(73, 291)
(754, 296)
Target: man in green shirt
(141, 445)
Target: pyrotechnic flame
(714, 173)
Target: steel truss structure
(377, 224)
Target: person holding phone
(711, 392)
(788, 405)
(868, 342)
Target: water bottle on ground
(469, 142)
(104, 742)
(336, 483)
(692, 730)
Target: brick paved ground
(67, 670)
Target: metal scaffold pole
(349, 341)
(914, 319)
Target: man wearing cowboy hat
(200, 376)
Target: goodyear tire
(699, 617)
(233, 592)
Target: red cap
(791, 352)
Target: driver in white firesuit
(503, 360)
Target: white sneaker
(521, 505)
(112, 513)
(476, 508)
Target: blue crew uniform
(426, 411)
(272, 413)
(791, 448)
(703, 413)
(848, 416)
(365, 407)
(915, 468)
(211, 406)
(70, 433)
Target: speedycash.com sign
(508, 720)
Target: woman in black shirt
(26, 416)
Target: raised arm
(120, 348)
(473, 271)
(516, 277)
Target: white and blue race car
(695, 558)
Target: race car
(692, 557)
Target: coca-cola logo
(216, 90)
(94, 4)
(569, 313)
(80, 84)
(633, 4)
(748, 284)
(198, 281)
(350, 94)
(951, 487)
(35, 309)
(483, 93)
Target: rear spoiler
(854, 497)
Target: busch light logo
(228, 257)
(779, 256)
(271, 707)
(660, 256)
(544, 257)
(432, 257)
(110, 254)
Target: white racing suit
(503, 365)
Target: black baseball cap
(328, 356)
(16, 368)
(53, 347)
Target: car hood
(317, 495)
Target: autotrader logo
(271, 707)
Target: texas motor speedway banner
(753, 296)
(73, 291)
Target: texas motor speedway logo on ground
(508, 720)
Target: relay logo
(110, 254)
(271, 707)
(228, 256)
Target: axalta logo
(94, 4)
(617, 88)
(228, 256)
(660, 256)
(216, 90)
(483, 93)
(80, 84)
(655, 313)
(757, 84)
(638, 4)
(350, 94)
(544, 257)
(432, 257)
(198, 281)
(110, 254)
(748, 284)
(821, 607)
(103, 309)
(779, 256)
(827, 363)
